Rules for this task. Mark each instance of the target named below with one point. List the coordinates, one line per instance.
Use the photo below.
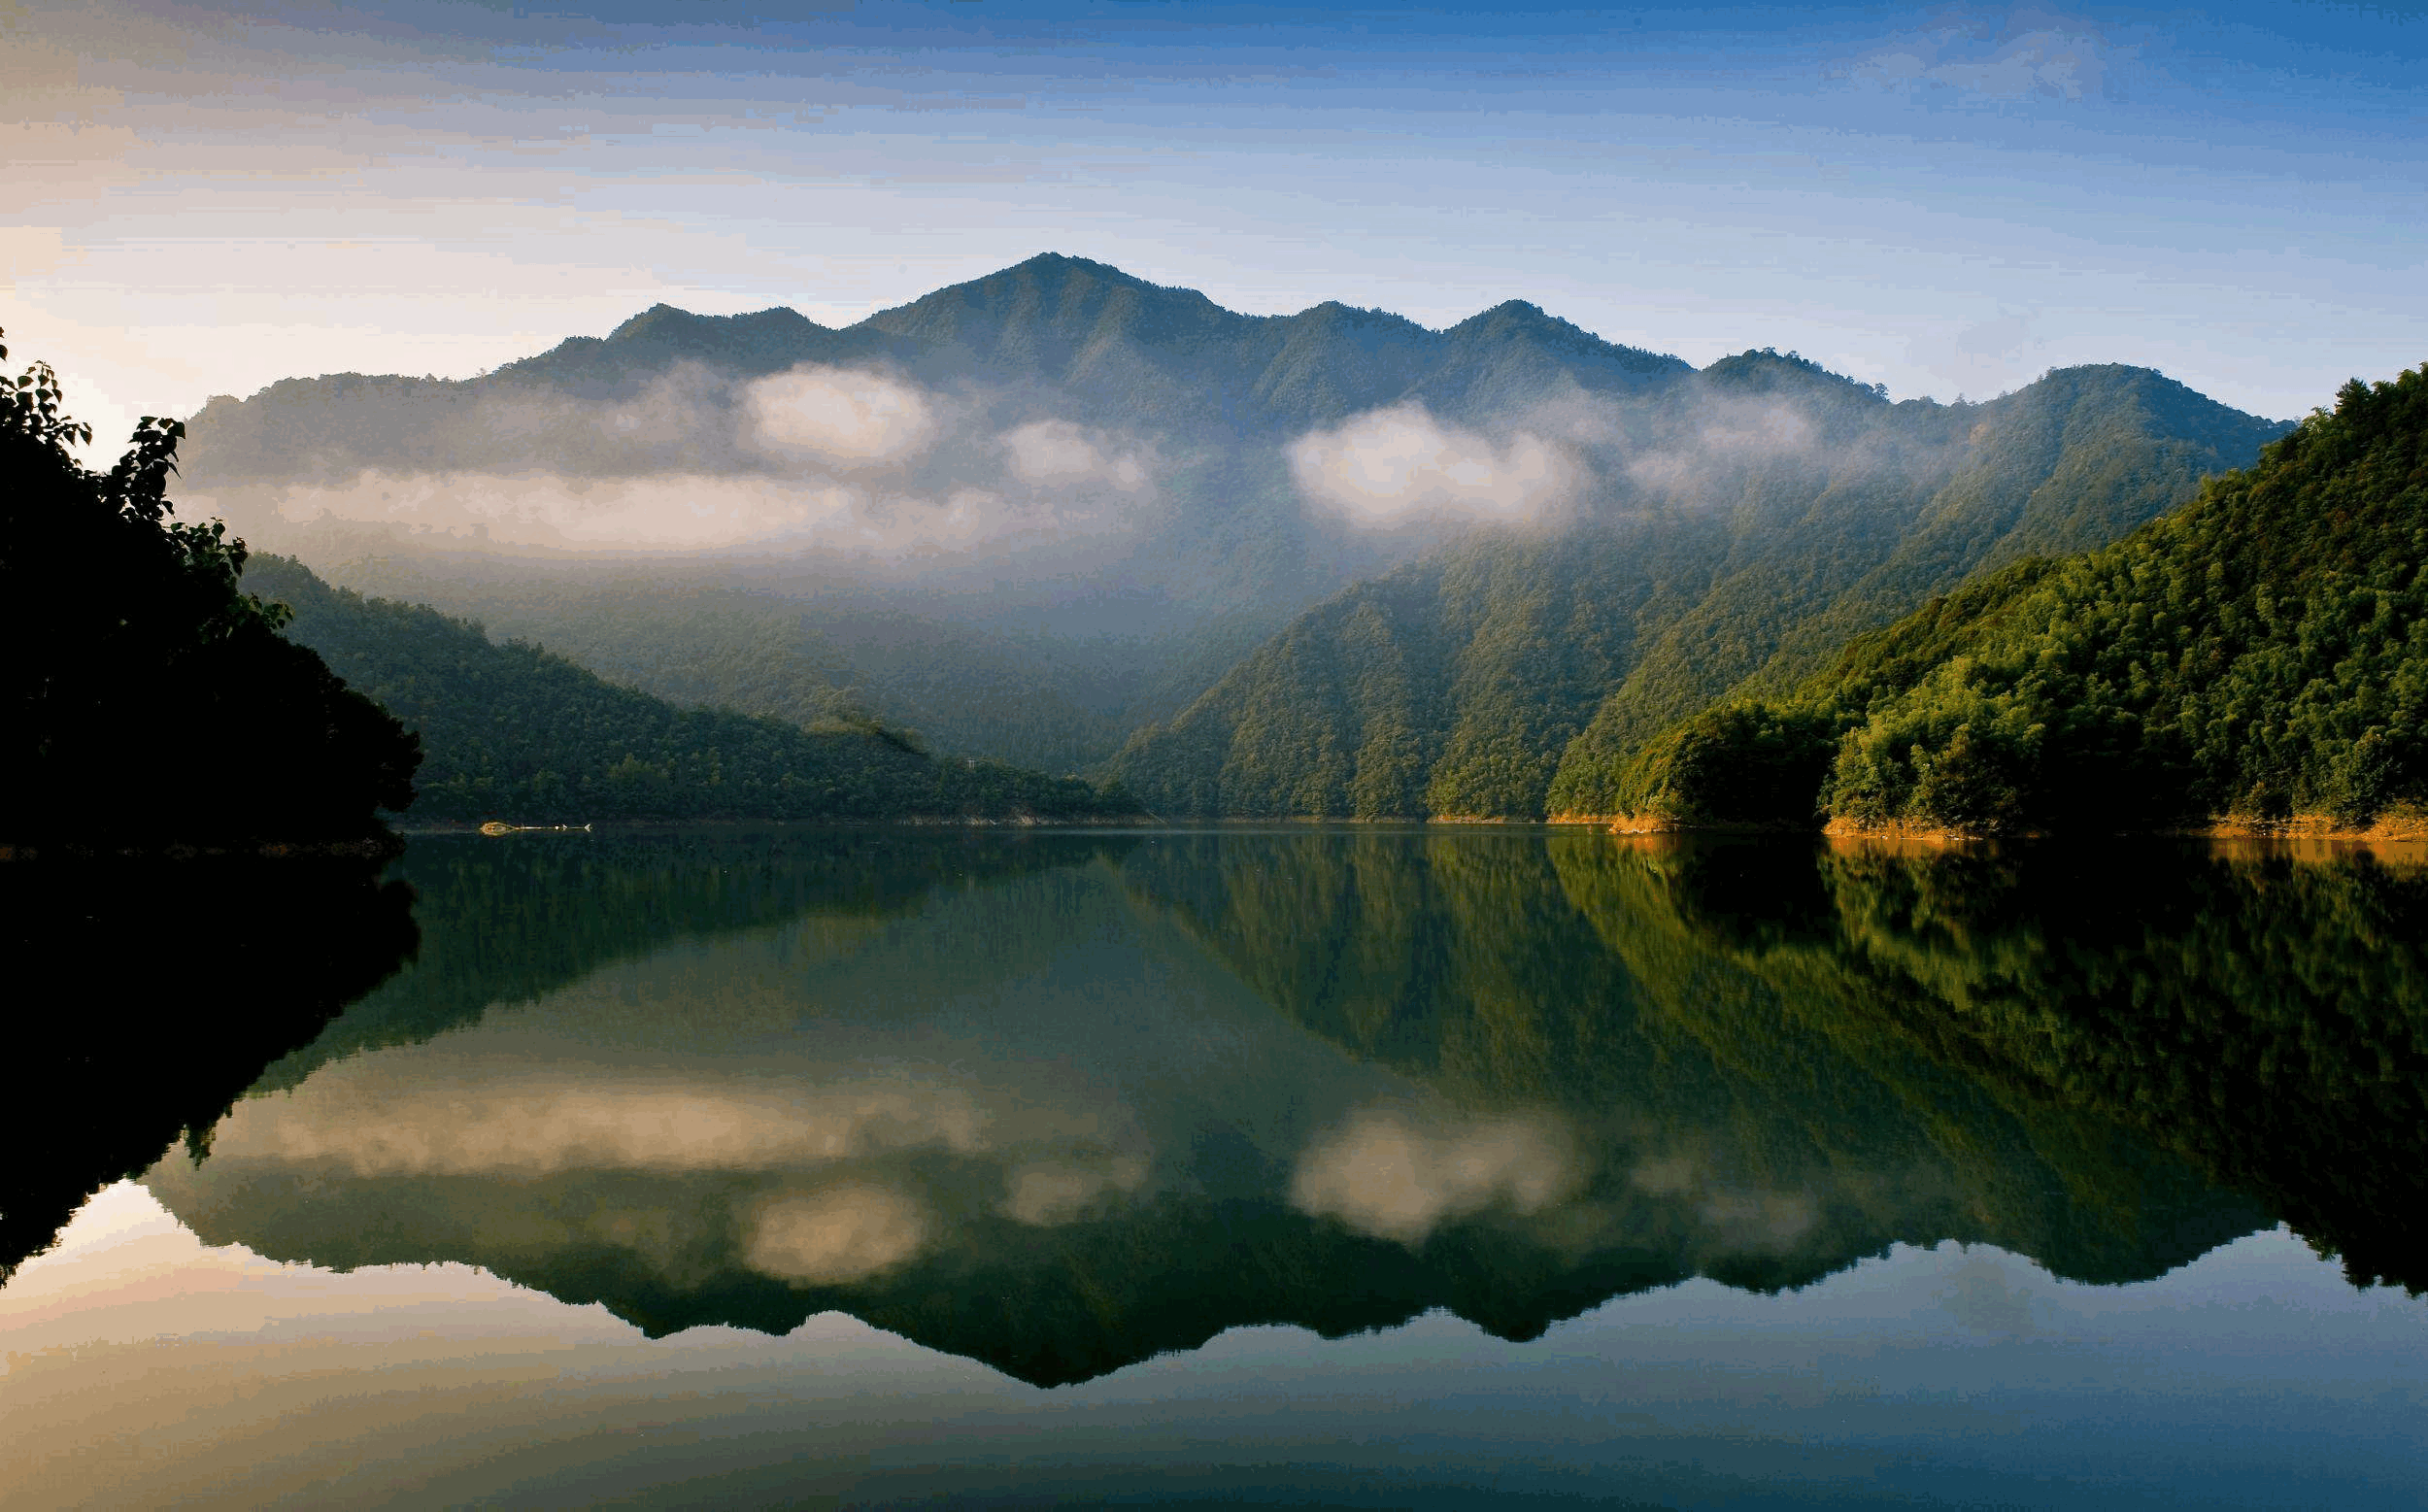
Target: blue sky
(1946, 200)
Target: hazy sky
(199, 199)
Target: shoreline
(2403, 828)
(369, 848)
(393, 843)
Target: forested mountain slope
(2259, 655)
(515, 732)
(1778, 508)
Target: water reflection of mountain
(2262, 1016)
(170, 984)
(1036, 1106)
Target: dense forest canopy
(514, 731)
(147, 700)
(2259, 655)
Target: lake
(1306, 1166)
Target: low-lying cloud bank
(868, 464)
(1694, 446)
(817, 458)
(837, 419)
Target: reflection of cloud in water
(543, 1126)
(1980, 1296)
(1755, 1220)
(1743, 1217)
(840, 1233)
(1056, 1191)
(1664, 1175)
(1385, 1174)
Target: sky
(199, 199)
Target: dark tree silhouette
(148, 700)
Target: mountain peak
(1064, 262)
(663, 321)
(1767, 369)
(1511, 317)
(1057, 271)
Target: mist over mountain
(1033, 514)
(515, 730)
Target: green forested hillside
(2257, 655)
(2072, 462)
(516, 733)
(1515, 673)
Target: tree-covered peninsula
(2260, 655)
(148, 700)
(513, 732)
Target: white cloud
(836, 417)
(2048, 57)
(662, 511)
(1397, 464)
(1056, 452)
(1729, 433)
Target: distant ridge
(1140, 351)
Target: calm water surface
(1346, 1168)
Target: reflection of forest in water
(1030, 1100)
